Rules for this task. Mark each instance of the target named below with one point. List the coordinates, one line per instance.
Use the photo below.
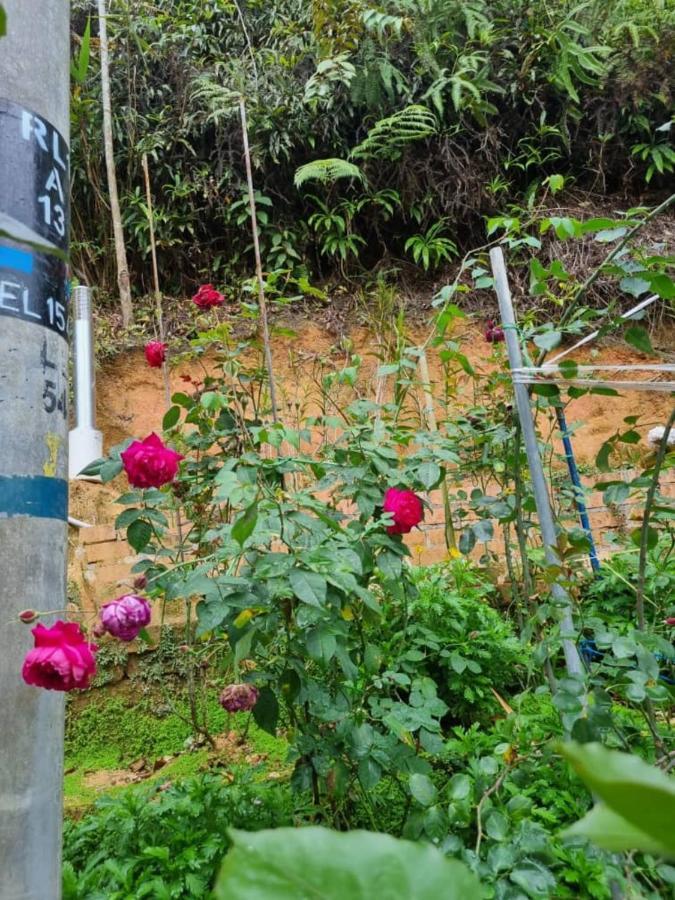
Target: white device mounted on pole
(84, 441)
(541, 496)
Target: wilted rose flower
(207, 296)
(239, 697)
(150, 463)
(493, 333)
(141, 582)
(155, 354)
(406, 509)
(62, 659)
(125, 617)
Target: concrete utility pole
(34, 218)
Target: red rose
(670, 620)
(207, 296)
(150, 463)
(406, 509)
(493, 334)
(155, 353)
(62, 659)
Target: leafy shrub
(453, 635)
(164, 843)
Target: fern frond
(327, 171)
(220, 102)
(414, 123)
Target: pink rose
(62, 659)
(125, 617)
(207, 296)
(150, 463)
(239, 697)
(406, 509)
(155, 354)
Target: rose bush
(62, 659)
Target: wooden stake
(258, 264)
(432, 425)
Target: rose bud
(27, 616)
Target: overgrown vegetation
(382, 134)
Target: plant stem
(644, 535)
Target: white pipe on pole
(541, 496)
(85, 442)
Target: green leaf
(171, 417)
(244, 527)
(548, 340)
(310, 587)
(496, 825)
(602, 459)
(609, 830)
(429, 474)
(110, 469)
(663, 286)
(266, 711)
(139, 534)
(321, 644)
(467, 541)
(632, 789)
(423, 789)
(3, 22)
(484, 530)
(297, 863)
(637, 337)
(535, 879)
(390, 565)
(460, 786)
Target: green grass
(109, 733)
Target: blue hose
(578, 490)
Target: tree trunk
(123, 281)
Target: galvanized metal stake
(34, 187)
(542, 500)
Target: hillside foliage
(380, 132)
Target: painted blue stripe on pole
(35, 496)
(19, 260)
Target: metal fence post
(542, 500)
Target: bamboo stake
(155, 277)
(123, 280)
(432, 425)
(258, 264)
